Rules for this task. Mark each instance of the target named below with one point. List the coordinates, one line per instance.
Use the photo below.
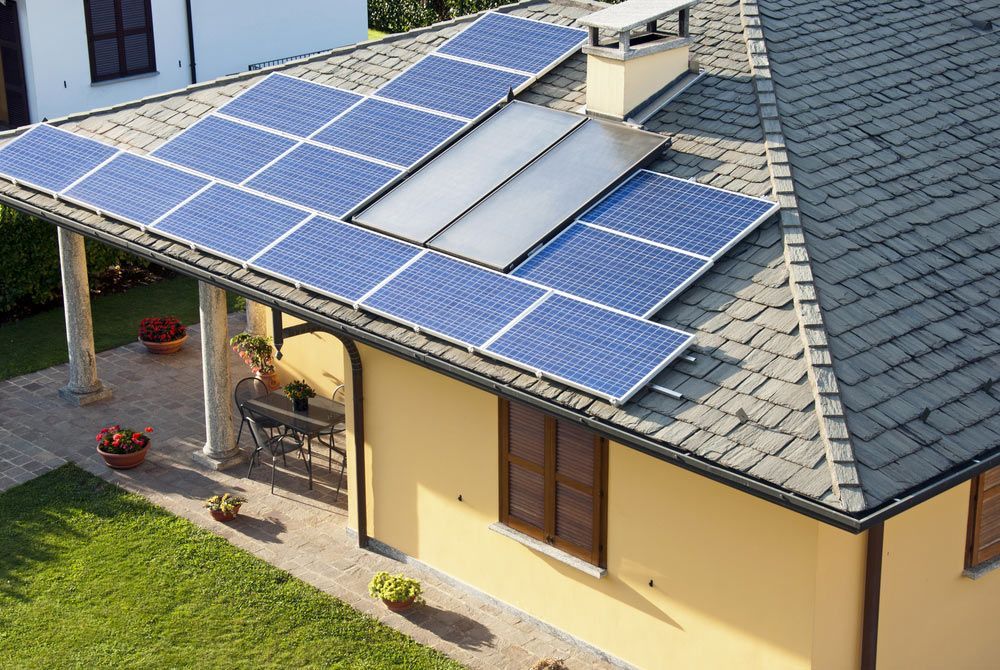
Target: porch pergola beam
(220, 450)
(83, 386)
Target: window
(984, 519)
(553, 478)
(120, 38)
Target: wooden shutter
(552, 478)
(577, 504)
(120, 38)
(984, 519)
(522, 469)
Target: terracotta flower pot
(164, 347)
(270, 380)
(225, 517)
(124, 461)
(398, 605)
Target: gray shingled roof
(750, 354)
(891, 112)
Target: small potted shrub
(224, 507)
(123, 448)
(255, 350)
(162, 334)
(396, 591)
(550, 664)
(299, 393)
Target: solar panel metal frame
(46, 189)
(468, 346)
(616, 401)
(399, 174)
(450, 138)
(233, 121)
(533, 73)
(76, 200)
(299, 284)
(660, 304)
(528, 80)
(746, 230)
(190, 244)
(359, 98)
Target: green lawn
(94, 577)
(39, 341)
(375, 34)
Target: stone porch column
(257, 316)
(84, 387)
(220, 450)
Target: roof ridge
(840, 454)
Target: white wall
(229, 36)
(57, 63)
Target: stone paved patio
(297, 530)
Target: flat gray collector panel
(449, 185)
(539, 200)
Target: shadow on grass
(37, 521)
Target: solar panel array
(645, 242)
(253, 183)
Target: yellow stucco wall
(931, 616)
(738, 582)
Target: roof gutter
(737, 480)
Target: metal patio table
(323, 414)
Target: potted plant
(224, 507)
(550, 664)
(162, 334)
(299, 393)
(255, 350)
(396, 591)
(123, 448)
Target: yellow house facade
(697, 574)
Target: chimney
(636, 52)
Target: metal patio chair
(280, 444)
(246, 389)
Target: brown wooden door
(14, 110)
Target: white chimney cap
(633, 14)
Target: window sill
(982, 569)
(131, 77)
(550, 551)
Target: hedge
(29, 262)
(396, 16)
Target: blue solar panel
(324, 180)
(679, 213)
(389, 132)
(451, 86)
(512, 42)
(589, 347)
(292, 105)
(336, 258)
(230, 221)
(224, 149)
(136, 188)
(453, 299)
(617, 271)
(52, 159)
